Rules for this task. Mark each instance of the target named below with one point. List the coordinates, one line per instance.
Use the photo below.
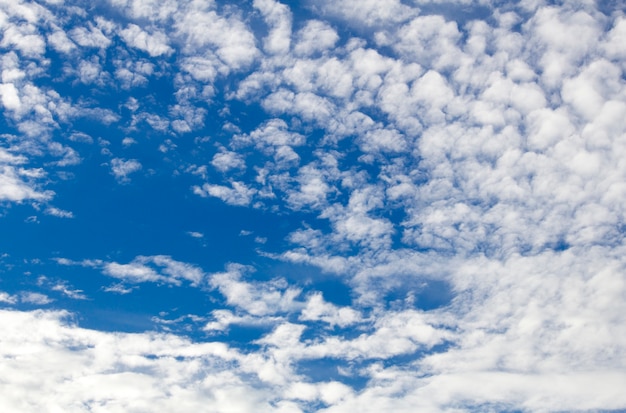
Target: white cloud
(615, 39)
(90, 37)
(13, 186)
(278, 17)
(228, 38)
(60, 42)
(158, 268)
(274, 132)
(146, 370)
(67, 291)
(383, 140)
(154, 268)
(154, 44)
(30, 297)
(25, 39)
(430, 41)
(225, 160)
(10, 97)
(56, 212)
(135, 272)
(121, 168)
(80, 137)
(318, 309)
(7, 298)
(237, 194)
(561, 53)
(366, 13)
(128, 141)
(118, 289)
(223, 319)
(257, 299)
(315, 36)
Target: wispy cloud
(56, 212)
(156, 268)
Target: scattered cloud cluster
(476, 145)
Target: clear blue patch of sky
(333, 369)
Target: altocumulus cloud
(436, 190)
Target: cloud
(278, 17)
(25, 39)
(238, 194)
(225, 160)
(15, 185)
(227, 38)
(68, 292)
(92, 35)
(318, 309)
(145, 372)
(315, 36)
(121, 168)
(154, 44)
(256, 299)
(7, 298)
(61, 42)
(365, 13)
(118, 289)
(10, 98)
(223, 319)
(56, 212)
(30, 297)
(128, 141)
(155, 268)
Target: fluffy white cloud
(91, 36)
(121, 168)
(7, 298)
(318, 309)
(237, 194)
(10, 98)
(315, 36)
(278, 17)
(84, 370)
(15, 184)
(225, 160)
(367, 13)
(154, 44)
(199, 27)
(254, 298)
(61, 42)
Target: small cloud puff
(195, 234)
(60, 213)
(121, 168)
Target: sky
(312, 206)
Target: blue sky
(316, 206)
